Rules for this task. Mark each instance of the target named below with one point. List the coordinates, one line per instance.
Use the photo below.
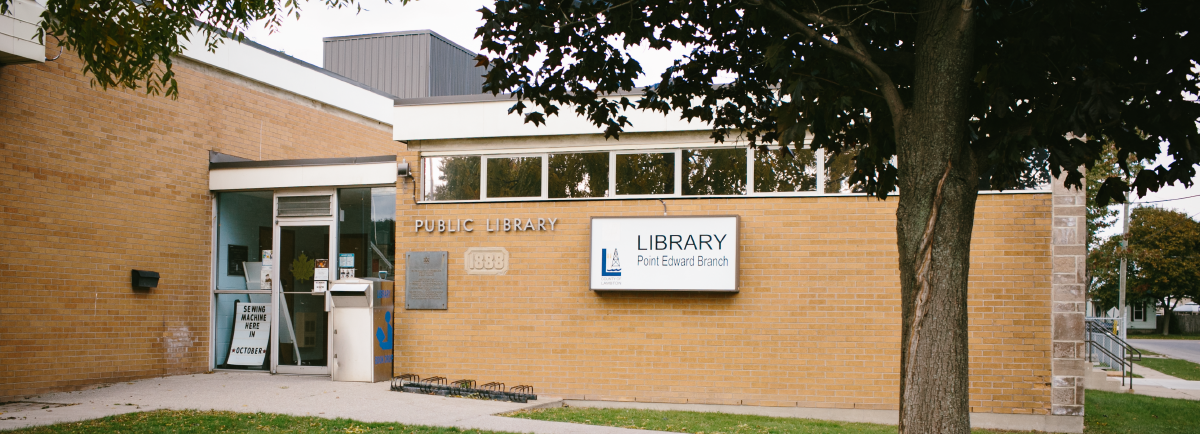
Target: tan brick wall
(816, 323)
(94, 183)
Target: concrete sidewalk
(318, 396)
(1162, 385)
(294, 395)
(1153, 383)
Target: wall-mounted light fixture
(143, 279)
(402, 170)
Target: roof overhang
(322, 172)
(486, 116)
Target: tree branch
(856, 52)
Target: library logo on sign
(611, 266)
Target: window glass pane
(451, 178)
(646, 173)
(300, 249)
(226, 309)
(776, 171)
(367, 231)
(578, 175)
(303, 339)
(838, 169)
(243, 232)
(514, 177)
(714, 171)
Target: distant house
(1141, 317)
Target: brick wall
(94, 183)
(816, 323)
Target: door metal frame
(276, 285)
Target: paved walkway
(318, 396)
(1174, 348)
(294, 395)
(1162, 385)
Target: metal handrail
(1128, 354)
(1125, 366)
(1118, 339)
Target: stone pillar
(1069, 288)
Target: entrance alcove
(285, 230)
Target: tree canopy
(1104, 253)
(1163, 261)
(1047, 75)
(1164, 253)
(1101, 217)
(131, 43)
(960, 93)
(1104, 274)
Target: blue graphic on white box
(665, 253)
(385, 338)
(612, 266)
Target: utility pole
(1124, 266)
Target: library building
(237, 226)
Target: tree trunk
(1167, 318)
(938, 183)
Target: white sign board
(251, 334)
(664, 253)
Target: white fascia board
(18, 33)
(484, 119)
(256, 178)
(254, 63)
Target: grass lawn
(192, 421)
(1113, 413)
(1173, 367)
(706, 423)
(1106, 413)
(695, 422)
(1160, 336)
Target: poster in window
(267, 274)
(236, 256)
(321, 272)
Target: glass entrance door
(302, 253)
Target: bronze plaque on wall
(425, 280)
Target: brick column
(1068, 241)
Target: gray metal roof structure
(413, 64)
(484, 97)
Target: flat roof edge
(302, 162)
(400, 33)
(228, 38)
(484, 97)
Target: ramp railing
(1106, 348)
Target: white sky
(457, 21)
(454, 19)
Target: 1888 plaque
(425, 280)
